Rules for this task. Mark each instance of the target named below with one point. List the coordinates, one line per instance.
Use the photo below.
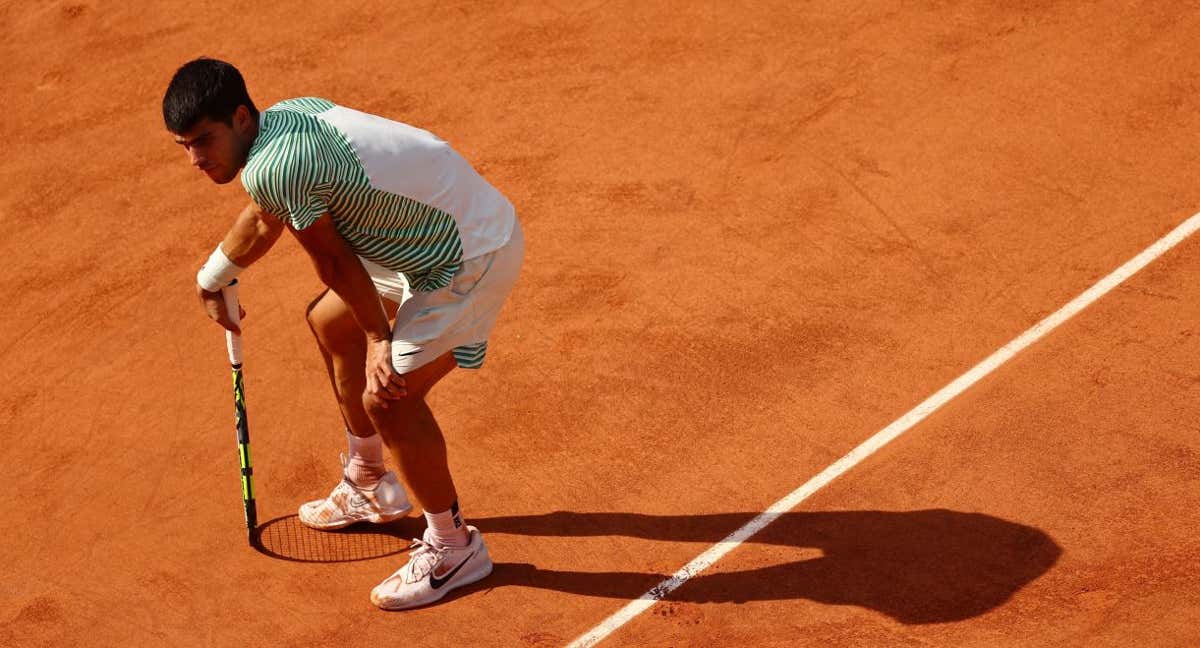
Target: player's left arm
(252, 234)
(341, 270)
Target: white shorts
(457, 317)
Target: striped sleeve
(286, 181)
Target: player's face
(216, 148)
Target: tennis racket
(233, 342)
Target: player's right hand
(214, 307)
(383, 383)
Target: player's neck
(251, 137)
(252, 133)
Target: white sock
(447, 529)
(365, 467)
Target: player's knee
(403, 421)
(375, 407)
(317, 323)
(392, 412)
(310, 312)
(332, 332)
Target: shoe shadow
(917, 567)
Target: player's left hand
(383, 382)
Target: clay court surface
(757, 234)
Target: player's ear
(241, 117)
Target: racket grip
(233, 341)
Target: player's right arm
(251, 236)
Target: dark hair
(203, 88)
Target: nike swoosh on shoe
(436, 583)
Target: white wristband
(217, 272)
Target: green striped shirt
(398, 195)
(302, 167)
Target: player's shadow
(929, 566)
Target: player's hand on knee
(214, 307)
(383, 383)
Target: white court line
(888, 434)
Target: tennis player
(398, 226)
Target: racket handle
(233, 341)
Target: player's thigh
(332, 320)
(329, 318)
(419, 381)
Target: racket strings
(287, 538)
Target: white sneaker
(432, 572)
(347, 504)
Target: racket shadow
(286, 538)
